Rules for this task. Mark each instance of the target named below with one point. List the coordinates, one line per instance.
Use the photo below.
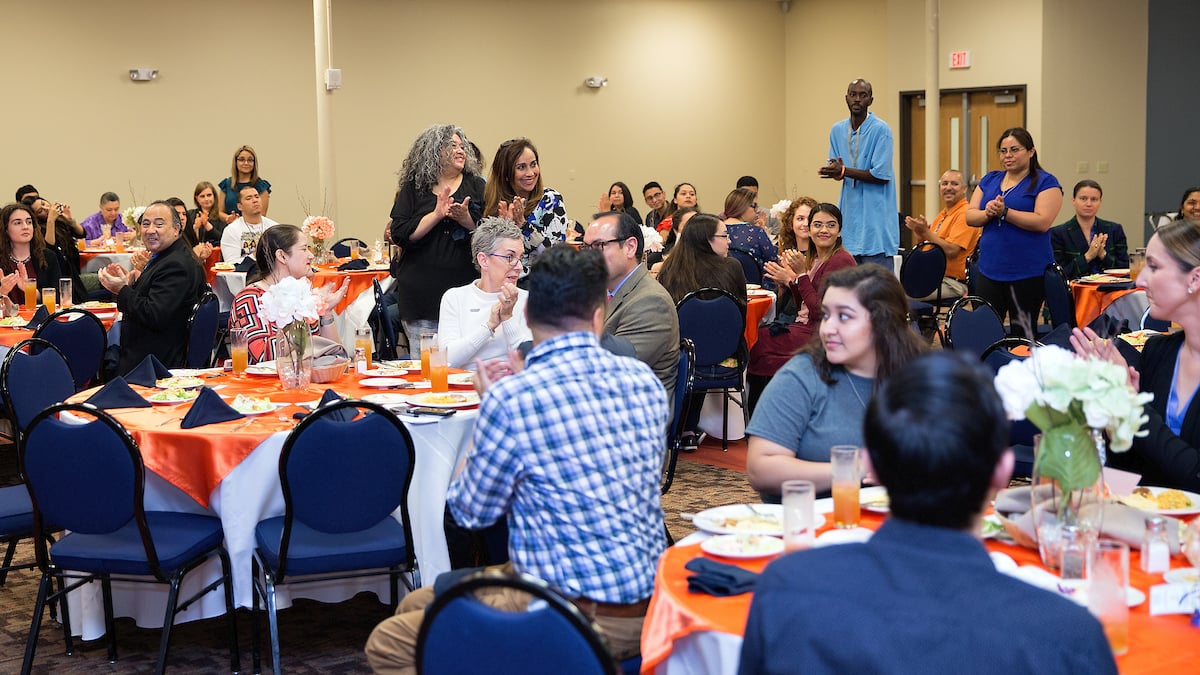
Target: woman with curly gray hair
(485, 319)
(439, 202)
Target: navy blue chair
(202, 331)
(1151, 323)
(715, 322)
(1059, 300)
(684, 381)
(972, 325)
(385, 332)
(752, 267)
(341, 247)
(921, 275)
(342, 480)
(89, 478)
(553, 637)
(1021, 432)
(81, 337)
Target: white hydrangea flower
(289, 300)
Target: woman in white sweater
(486, 318)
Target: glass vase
(293, 356)
(1061, 499)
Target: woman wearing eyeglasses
(486, 318)
(244, 172)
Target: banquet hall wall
(699, 90)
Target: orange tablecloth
(196, 460)
(360, 281)
(1090, 301)
(9, 337)
(756, 309)
(213, 259)
(1157, 644)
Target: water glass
(64, 293)
(846, 464)
(1108, 579)
(238, 349)
(798, 514)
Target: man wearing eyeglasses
(639, 308)
(156, 302)
(656, 199)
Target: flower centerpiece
(651, 239)
(319, 230)
(290, 304)
(778, 208)
(1075, 402)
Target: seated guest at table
(485, 319)
(569, 451)
(745, 224)
(770, 222)
(61, 238)
(654, 260)
(656, 200)
(1086, 244)
(809, 258)
(23, 254)
(1189, 206)
(639, 308)
(922, 595)
(156, 302)
(240, 237)
(201, 249)
(108, 218)
(1169, 455)
(683, 197)
(950, 232)
(620, 199)
(282, 252)
(516, 181)
(818, 398)
(207, 224)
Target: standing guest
(937, 438)
(1189, 206)
(107, 218)
(657, 202)
(745, 224)
(486, 318)
(620, 199)
(683, 197)
(1015, 207)
(155, 303)
(439, 202)
(569, 451)
(282, 252)
(240, 237)
(639, 309)
(860, 156)
(800, 279)
(243, 173)
(818, 399)
(23, 254)
(950, 232)
(1086, 244)
(770, 222)
(515, 191)
(207, 223)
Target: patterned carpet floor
(314, 637)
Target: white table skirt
(104, 260)
(251, 493)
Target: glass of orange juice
(439, 368)
(238, 350)
(427, 342)
(50, 299)
(365, 340)
(847, 476)
(31, 293)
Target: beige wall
(699, 90)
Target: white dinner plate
(13, 322)
(262, 369)
(852, 535)
(742, 546)
(387, 399)
(452, 399)
(383, 382)
(194, 372)
(179, 382)
(1077, 590)
(388, 371)
(275, 405)
(758, 293)
(1118, 271)
(1194, 508)
(411, 365)
(874, 501)
(163, 399)
(1183, 575)
(742, 519)
(461, 380)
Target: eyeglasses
(599, 244)
(512, 260)
(724, 235)
(821, 225)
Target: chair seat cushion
(16, 513)
(313, 552)
(918, 307)
(717, 377)
(178, 539)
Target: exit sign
(960, 59)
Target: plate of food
(385, 383)
(461, 380)
(194, 372)
(387, 399)
(254, 405)
(758, 292)
(1138, 338)
(1163, 501)
(13, 322)
(179, 382)
(875, 501)
(742, 519)
(742, 546)
(1118, 271)
(1182, 575)
(753, 287)
(412, 366)
(463, 399)
(1102, 279)
(383, 370)
(173, 396)
(97, 306)
(223, 266)
(262, 369)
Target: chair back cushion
(34, 377)
(1059, 300)
(81, 337)
(683, 383)
(715, 323)
(202, 331)
(752, 267)
(973, 330)
(923, 269)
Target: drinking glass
(364, 339)
(31, 293)
(427, 341)
(238, 350)
(1137, 260)
(798, 514)
(438, 366)
(847, 477)
(50, 299)
(1108, 577)
(64, 293)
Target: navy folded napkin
(148, 372)
(719, 579)
(208, 408)
(331, 396)
(1059, 337)
(117, 394)
(1116, 286)
(39, 317)
(247, 265)
(353, 265)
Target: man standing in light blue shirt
(860, 155)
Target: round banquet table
(10, 336)
(760, 309)
(231, 470)
(1090, 301)
(93, 259)
(695, 633)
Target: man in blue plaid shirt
(570, 449)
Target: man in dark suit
(156, 303)
(639, 308)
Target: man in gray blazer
(639, 308)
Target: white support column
(933, 111)
(325, 202)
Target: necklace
(850, 381)
(18, 260)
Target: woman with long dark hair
(23, 253)
(619, 198)
(515, 191)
